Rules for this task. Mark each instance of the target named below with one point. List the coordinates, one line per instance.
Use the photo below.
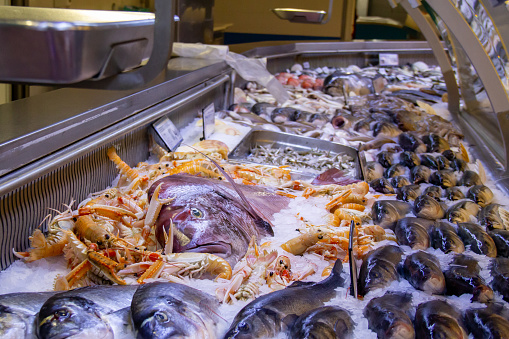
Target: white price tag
(388, 59)
(305, 65)
(168, 133)
(209, 117)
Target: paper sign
(168, 133)
(379, 84)
(305, 64)
(209, 114)
(352, 262)
(388, 59)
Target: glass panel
(476, 107)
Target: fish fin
(289, 320)
(482, 171)
(464, 153)
(259, 221)
(300, 283)
(208, 309)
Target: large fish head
(376, 275)
(206, 218)
(72, 317)
(164, 310)
(255, 323)
(12, 324)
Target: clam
(408, 192)
(481, 194)
(462, 211)
(443, 178)
(384, 158)
(374, 171)
(409, 159)
(428, 208)
(399, 181)
(394, 171)
(413, 232)
(454, 193)
(420, 174)
(449, 154)
(382, 185)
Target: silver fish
(169, 310)
(270, 314)
(324, 322)
(88, 312)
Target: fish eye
(161, 317)
(244, 327)
(61, 314)
(196, 212)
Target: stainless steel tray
(64, 46)
(296, 142)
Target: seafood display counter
(258, 230)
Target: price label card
(209, 117)
(305, 65)
(379, 84)
(168, 133)
(388, 59)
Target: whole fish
(489, 322)
(169, 310)
(88, 312)
(462, 277)
(379, 268)
(382, 185)
(423, 272)
(326, 322)
(444, 237)
(271, 313)
(499, 268)
(18, 312)
(501, 239)
(209, 216)
(413, 232)
(386, 212)
(437, 319)
(388, 316)
(480, 242)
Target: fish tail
(335, 279)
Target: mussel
(382, 185)
(494, 216)
(399, 181)
(443, 178)
(480, 242)
(422, 270)
(449, 154)
(481, 194)
(428, 208)
(435, 143)
(458, 165)
(462, 211)
(454, 193)
(413, 232)
(501, 239)
(384, 158)
(409, 159)
(420, 174)
(409, 192)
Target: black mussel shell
(470, 178)
(435, 143)
(386, 129)
(433, 191)
(394, 171)
(409, 159)
(408, 192)
(384, 158)
(400, 181)
(382, 185)
(481, 194)
(420, 174)
(454, 193)
(429, 161)
(458, 165)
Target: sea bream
(209, 216)
(275, 312)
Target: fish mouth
(219, 248)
